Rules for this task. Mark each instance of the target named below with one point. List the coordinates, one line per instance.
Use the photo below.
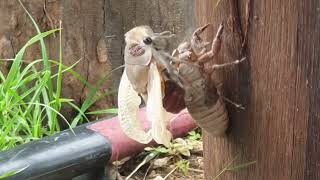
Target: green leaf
(183, 165)
(162, 150)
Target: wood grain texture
(309, 54)
(279, 87)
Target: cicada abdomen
(203, 102)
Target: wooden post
(279, 86)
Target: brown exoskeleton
(202, 96)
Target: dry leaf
(158, 178)
(161, 162)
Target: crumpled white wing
(155, 111)
(128, 106)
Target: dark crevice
(9, 63)
(159, 13)
(296, 56)
(104, 17)
(12, 46)
(243, 27)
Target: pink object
(123, 146)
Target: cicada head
(138, 50)
(138, 35)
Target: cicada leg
(215, 47)
(220, 66)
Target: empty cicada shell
(202, 97)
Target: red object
(123, 146)
(173, 100)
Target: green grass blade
(46, 62)
(11, 173)
(59, 78)
(79, 111)
(65, 68)
(27, 69)
(104, 111)
(2, 77)
(90, 98)
(241, 166)
(66, 121)
(18, 59)
(42, 44)
(38, 91)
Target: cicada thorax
(138, 76)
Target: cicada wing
(155, 110)
(128, 106)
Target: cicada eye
(147, 40)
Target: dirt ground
(184, 160)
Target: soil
(162, 167)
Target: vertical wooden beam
(309, 55)
(279, 86)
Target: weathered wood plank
(279, 86)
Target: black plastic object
(58, 157)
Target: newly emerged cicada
(145, 60)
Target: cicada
(145, 60)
